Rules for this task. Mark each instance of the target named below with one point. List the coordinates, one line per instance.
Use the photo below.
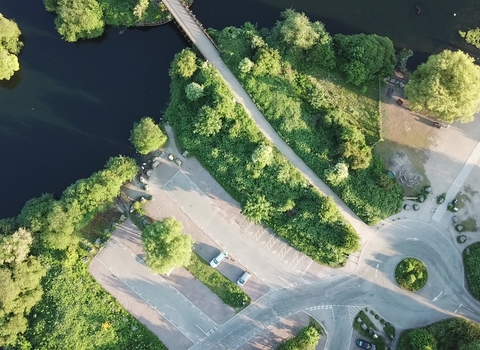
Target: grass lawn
(229, 292)
(411, 274)
(472, 262)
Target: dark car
(437, 125)
(365, 344)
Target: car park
(218, 259)
(243, 278)
(365, 344)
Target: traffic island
(411, 274)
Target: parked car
(218, 259)
(437, 125)
(243, 278)
(365, 344)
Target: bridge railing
(200, 26)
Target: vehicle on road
(365, 344)
(437, 125)
(243, 278)
(218, 259)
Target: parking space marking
(283, 251)
(296, 260)
(270, 242)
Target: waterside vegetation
(10, 46)
(321, 95)
(86, 19)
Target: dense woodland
(305, 83)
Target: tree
(15, 247)
(257, 208)
(267, 62)
(448, 84)
(297, 30)
(79, 19)
(336, 174)
(140, 8)
(20, 277)
(307, 339)
(245, 65)
(209, 121)
(262, 156)
(10, 46)
(364, 57)
(472, 36)
(184, 64)
(165, 245)
(421, 339)
(194, 91)
(146, 136)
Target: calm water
(72, 106)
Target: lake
(72, 106)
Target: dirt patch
(404, 171)
(407, 137)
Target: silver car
(218, 259)
(243, 278)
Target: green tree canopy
(20, 287)
(421, 339)
(194, 91)
(363, 57)
(296, 29)
(146, 136)
(79, 19)
(304, 43)
(448, 84)
(184, 64)
(10, 46)
(257, 208)
(307, 339)
(165, 245)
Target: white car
(243, 278)
(218, 259)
